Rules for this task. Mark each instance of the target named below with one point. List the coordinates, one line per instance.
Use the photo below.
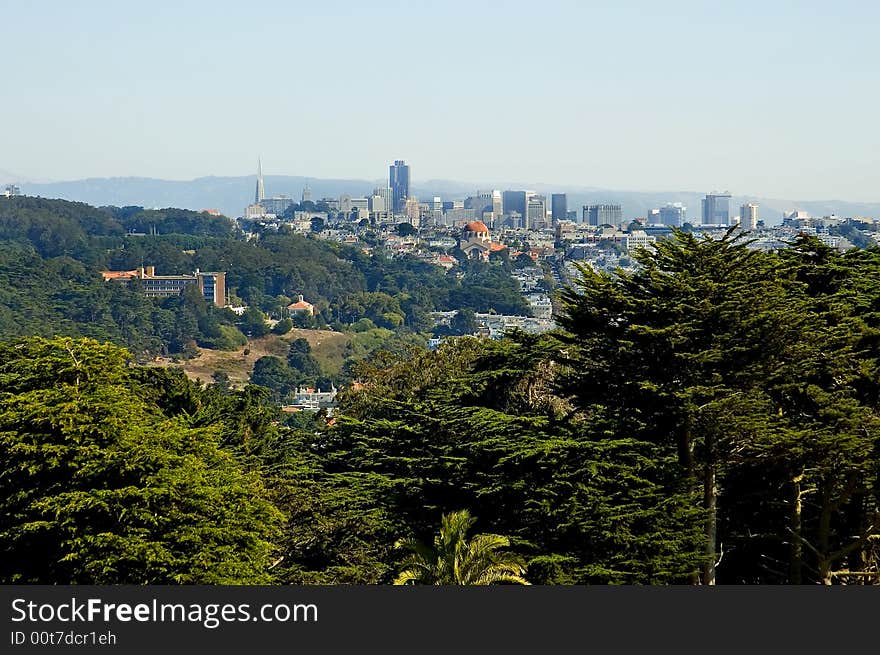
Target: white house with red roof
(301, 307)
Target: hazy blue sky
(762, 98)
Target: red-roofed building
(446, 261)
(476, 242)
(301, 307)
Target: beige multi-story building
(748, 216)
(212, 285)
(412, 210)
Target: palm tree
(457, 560)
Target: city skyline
(771, 97)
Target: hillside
(238, 364)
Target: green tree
(301, 362)
(272, 372)
(463, 323)
(253, 323)
(99, 486)
(283, 326)
(456, 559)
(477, 424)
(678, 352)
(405, 229)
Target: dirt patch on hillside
(239, 364)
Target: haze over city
(765, 99)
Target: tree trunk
(796, 552)
(686, 447)
(710, 502)
(824, 536)
(686, 461)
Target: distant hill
(231, 194)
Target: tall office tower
(514, 201)
(748, 216)
(377, 203)
(387, 196)
(307, 193)
(485, 201)
(436, 211)
(497, 204)
(260, 194)
(674, 214)
(716, 209)
(536, 213)
(603, 215)
(398, 180)
(653, 217)
(558, 207)
(412, 210)
(478, 202)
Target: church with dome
(476, 242)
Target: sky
(770, 98)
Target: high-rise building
(716, 209)
(260, 194)
(536, 212)
(387, 196)
(307, 194)
(277, 204)
(412, 210)
(377, 203)
(748, 216)
(514, 201)
(398, 181)
(11, 190)
(485, 202)
(558, 207)
(602, 215)
(674, 214)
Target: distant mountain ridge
(231, 194)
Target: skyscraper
(536, 212)
(716, 209)
(748, 216)
(485, 202)
(558, 206)
(387, 196)
(514, 201)
(602, 215)
(398, 180)
(674, 214)
(260, 194)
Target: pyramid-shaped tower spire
(260, 195)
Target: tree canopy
(98, 485)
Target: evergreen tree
(677, 352)
(99, 486)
